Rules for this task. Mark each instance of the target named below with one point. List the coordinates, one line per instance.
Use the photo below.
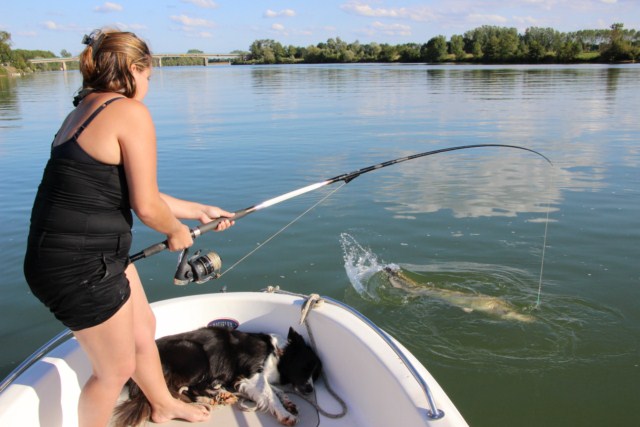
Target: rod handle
(195, 233)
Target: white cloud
(609, 1)
(392, 29)
(477, 17)
(417, 13)
(108, 7)
(130, 27)
(527, 20)
(50, 25)
(273, 14)
(205, 35)
(190, 22)
(205, 4)
(544, 4)
(377, 28)
(54, 26)
(280, 30)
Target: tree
(372, 51)
(545, 38)
(5, 47)
(409, 52)
(64, 53)
(266, 51)
(388, 53)
(508, 42)
(435, 50)
(497, 44)
(476, 50)
(456, 47)
(569, 51)
(617, 48)
(535, 51)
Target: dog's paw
(289, 405)
(226, 398)
(287, 420)
(217, 398)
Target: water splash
(361, 264)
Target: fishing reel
(199, 268)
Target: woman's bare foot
(178, 409)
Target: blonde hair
(106, 62)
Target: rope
(313, 301)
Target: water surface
(472, 221)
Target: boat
(369, 378)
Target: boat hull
(360, 366)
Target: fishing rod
(185, 264)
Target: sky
(222, 26)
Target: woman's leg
(110, 347)
(148, 373)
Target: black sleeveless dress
(80, 236)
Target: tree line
(486, 44)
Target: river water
(472, 221)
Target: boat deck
(380, 381)
(308, 415)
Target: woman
(102, 165)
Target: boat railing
(433, 412)
(35, 357)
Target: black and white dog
(200, 365)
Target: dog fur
(203, 365)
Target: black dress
(80, 236)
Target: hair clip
(93, 38)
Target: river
(473, 221)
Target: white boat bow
(380, 381)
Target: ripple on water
(564, 331)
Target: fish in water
(468, 302)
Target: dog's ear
(294, 336)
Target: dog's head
(299, 365)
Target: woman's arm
(193, 210)
(137, 138)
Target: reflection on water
(555, 334)
(8, 103)
(489, 184)
(535, 107)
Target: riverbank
(7, 70)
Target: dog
(208, 364)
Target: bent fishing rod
(347, 177)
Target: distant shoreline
(10, 71)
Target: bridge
(156, 57)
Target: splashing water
(361, 265)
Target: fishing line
(261, 245)
(544, 241)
